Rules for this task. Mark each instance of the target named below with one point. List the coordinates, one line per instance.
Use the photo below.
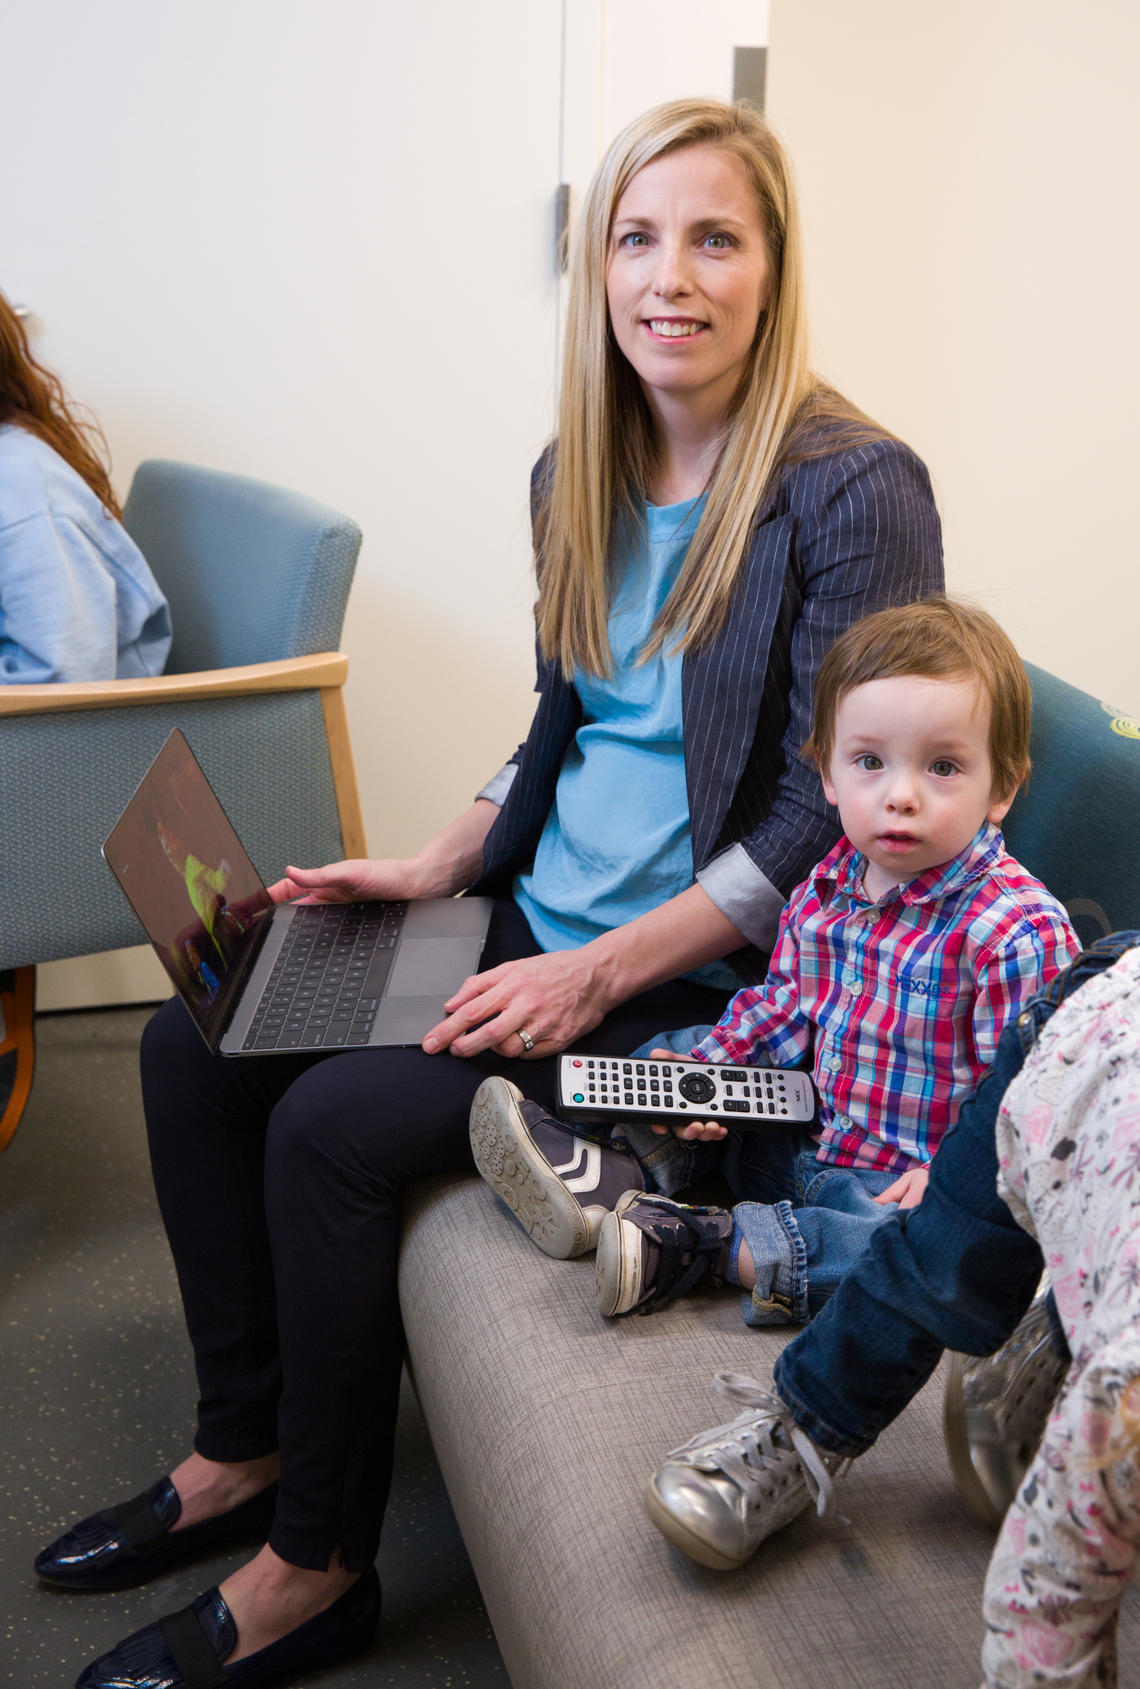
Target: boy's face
(910, 774)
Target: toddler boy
(898, 964)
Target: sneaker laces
(690, 1242)
(745, 1447)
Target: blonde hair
(605, 454)
(943, 640)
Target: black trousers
(279, 1181)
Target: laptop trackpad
(432, 967)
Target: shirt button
(835, 1063)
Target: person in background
(77, 600)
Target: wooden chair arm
(319, 672)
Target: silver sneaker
(558, 1186)
(995, 1410)
(717, 1497)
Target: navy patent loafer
(189, 1649)
(128, 1544)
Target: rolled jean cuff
(779, 1256)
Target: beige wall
(315, 244)
(968, 175)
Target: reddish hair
(32, 398)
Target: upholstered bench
(547, 1419)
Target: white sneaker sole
(507, 1158)
(617, 1270)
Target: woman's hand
(358, 880)
(445, 865)
(908, 1190)
(554, 998)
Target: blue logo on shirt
(922, 987)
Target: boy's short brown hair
(939, 639)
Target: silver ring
(528, 1041)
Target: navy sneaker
(652, 1250)
(558, 1186)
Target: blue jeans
(956, 1272)
(805, 1223)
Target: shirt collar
(843, 867)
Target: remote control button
(697, 1087)
(577, 1063)
(735, 1105)
(578, 1097)
(731, 1073)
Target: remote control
(605, 1088)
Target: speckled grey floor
(96, 1391)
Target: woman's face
(687, 277)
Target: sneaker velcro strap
(138, 1521)
(192, 1651)
(690, 1246)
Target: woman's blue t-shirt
(617, 840)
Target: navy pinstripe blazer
(841, 535)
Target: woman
(711, 518)
(77, 600)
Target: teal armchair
(257, 579)
(1076, 825)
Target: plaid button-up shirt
(898, 1004)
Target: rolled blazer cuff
(499, 785)
(745, 894)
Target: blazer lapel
(722, 686)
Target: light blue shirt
(617, 840)
(77, 600)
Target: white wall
(968, 177)
(623, 56)
(315, 244)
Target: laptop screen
(190, 883)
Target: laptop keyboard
(307, 1006)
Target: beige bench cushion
(547, 1420)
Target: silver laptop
(260, 977)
